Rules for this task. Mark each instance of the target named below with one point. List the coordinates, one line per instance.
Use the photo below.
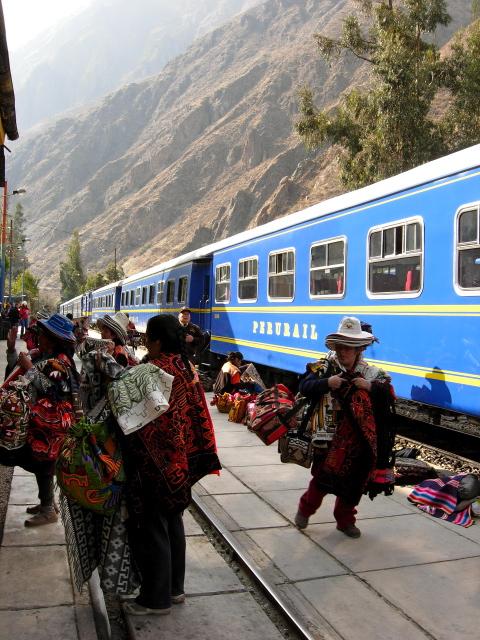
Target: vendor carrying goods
(139, 396)
(90, 468)
(275, 413)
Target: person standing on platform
(357, 400)
(162, 461)
(24, 318)
(51, 376)
(115, 328)
(13, 316)
(194, 337)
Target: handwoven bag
(224, 402)
(14, 418)
(48, 426)
(274, 414)
(296, 445)
(90, 468)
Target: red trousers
(344, 513)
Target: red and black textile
(53, 410)
(345, 467)
(166, 457)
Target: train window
(132, 297)
(281, 275)
(144, 295)
(468, 249)
(395, 258)
(248, 279)
(182, 289)
(170, 291)
(151, 294)
(160, 292)
(123, 299)
(138, 296)
(327, 268)
(222, 283)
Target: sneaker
(46, 515)
(301, 521)
(36, 509)
(135, 609)
(178, 599)
(351, 531)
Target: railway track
(272, 602)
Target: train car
(79, 307)
(402, 254)
(105, 300)
(73, 306)
(168, 287)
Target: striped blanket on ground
(438, 497)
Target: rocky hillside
(199, 152)
(111, 43)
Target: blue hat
(60, 326)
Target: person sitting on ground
(51, 376)
(357, 397)
(194, 336)
(228, 379)
(162, 461)
(115, 328)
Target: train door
(200, 294)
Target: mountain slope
(109, 44)
(199, 152)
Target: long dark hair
(171, 334)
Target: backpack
(275, 413)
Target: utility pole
(10, 264)
(4, 240)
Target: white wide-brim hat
(349, 334)
(117, 323)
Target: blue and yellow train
(402, 254)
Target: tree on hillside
(461, 125)
(94, 281)
(113, 272)
(390, 128)
(26, 284)
(72, 276)
(18, 249)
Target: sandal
(135, 609)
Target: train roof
(72, 299)
(106, 287)
(435, 170)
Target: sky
(25, 19)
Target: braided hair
(171, 334)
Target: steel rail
(440, 452)
(270, 591)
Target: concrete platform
(408, 576)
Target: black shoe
(351, 531)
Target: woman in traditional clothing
(162, 462)
(51, 381)
(357, 400)
(114, 328)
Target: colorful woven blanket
(439, 497)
